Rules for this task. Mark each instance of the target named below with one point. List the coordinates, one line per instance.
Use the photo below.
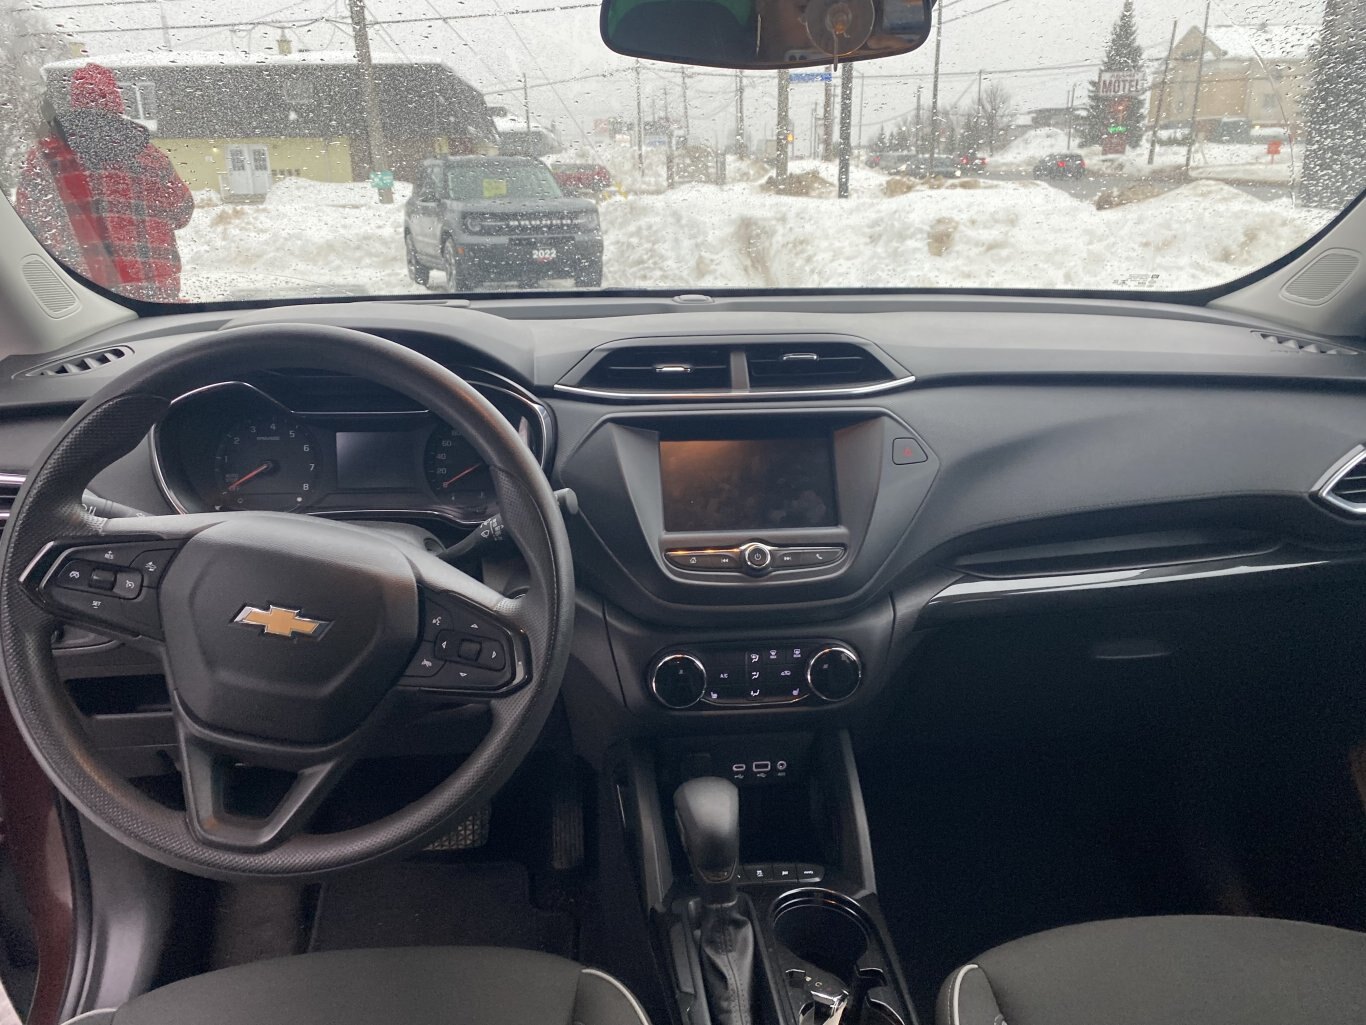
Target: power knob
(834, 673)
(678, 680)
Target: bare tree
(26, 44)
(998, 110)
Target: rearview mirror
(761, 34)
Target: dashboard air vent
(1301, 345)
(791, 367)
(664, 368)
(1345, 486)
(10, 483)
(79, 364)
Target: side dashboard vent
(1290, 344)
(664, 368)
(10, 483)
(797, 366)
(81, 363)
(1345, 486)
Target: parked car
(582, 179)
(972, 163)
(482, 219)
(1061, 165)
(923, 167)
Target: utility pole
(683, 71)
(166, 29)
(740, 115)
(526, 111)
(828, 120)
(1195, 103)
(379, 148)
(934, 89)
(1071, 100)
(780, 171)
(640, 125)
(846, 117)
(669, 150)
(919, 124)
(1161, 97)
(862, 95)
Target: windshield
(475, 181)
(188, 151)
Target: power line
(202, 26)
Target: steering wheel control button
(678, 680)
(906, 451)
(74, 574)
(491, 655)
(152, 563)
(834, 673)
(128, 584)
(102, 578)
(468, 651)
(424, 663)
(139, 616)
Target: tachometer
(266, 462)
(456, 473)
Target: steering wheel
(286, 639)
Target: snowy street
(994, 231)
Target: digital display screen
(375, 460)
(747, 484)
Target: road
(1091, 186)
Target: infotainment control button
(704, 559)
(757, 556)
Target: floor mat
(434, 904)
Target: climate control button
(678, 680)
(834, 673)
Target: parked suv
(1061, 165)
(483, 219)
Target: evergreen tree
(1122, 53)
(1335, 130)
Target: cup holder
(823, 928)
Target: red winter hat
(93, 87)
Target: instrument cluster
(291, 444)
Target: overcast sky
(1016, 42)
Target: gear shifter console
(708, 813)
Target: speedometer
(456, 473)
(266, 462)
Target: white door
(248, 170)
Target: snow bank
(1016, 235)
(307, 238)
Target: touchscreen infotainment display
(747, 484)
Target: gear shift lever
(708, 814)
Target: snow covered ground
(311, 238)
(1242, 162)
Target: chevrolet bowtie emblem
(278, 622)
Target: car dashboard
(776, 497)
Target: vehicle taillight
(1062, 164)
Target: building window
(297, 92)
(139, 100)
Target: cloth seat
(1178, 970)
(398, 986)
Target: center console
(778, 878)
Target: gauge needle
(248, 476)
(463, 473)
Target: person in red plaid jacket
(101, 198)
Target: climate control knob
(678, 680)
(834, 673)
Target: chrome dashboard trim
(13, 480)
(737, 396)
(1324, 488)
